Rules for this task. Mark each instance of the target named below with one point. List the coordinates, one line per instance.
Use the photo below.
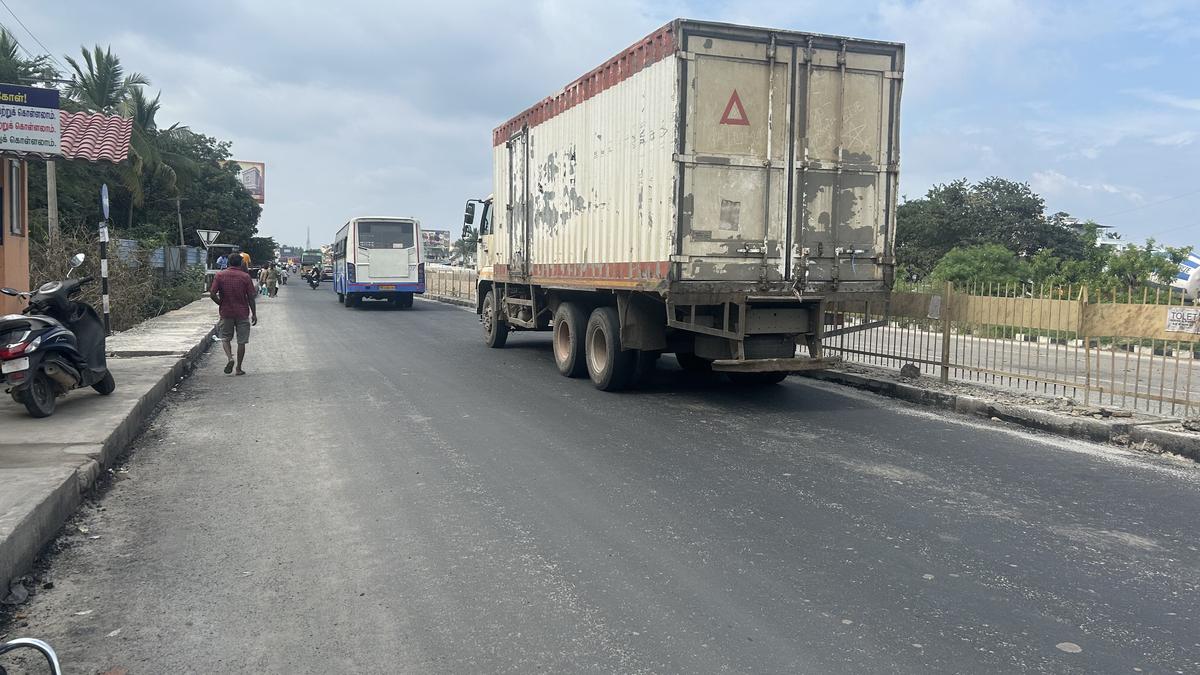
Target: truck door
(846, 165)
(518, 204)
(733, 207)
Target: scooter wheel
(105, 386)
(39, 396)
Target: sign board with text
(29, 120)
(1183, 320)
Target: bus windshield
(385, 234)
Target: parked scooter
(55, 345)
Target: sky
(386, 108)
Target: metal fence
(1135, 349)
(450, 283)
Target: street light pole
(179, 216)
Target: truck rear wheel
(610, 367)
(495, 329)
(570, 328)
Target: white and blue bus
(378, 257)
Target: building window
(16, 223)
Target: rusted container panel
(708, 153)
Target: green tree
(261, 249)
(16, 69)
(984, 263)
(993, 211)
(1135, 266)
(101, 84)
(467, 245)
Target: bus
(308, 259)
(378, 257)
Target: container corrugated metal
(708, 153)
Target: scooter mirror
(10, 291)
(77, 260)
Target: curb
(461, 302)
(1085, 428)
(45, 520)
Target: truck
(705, 192)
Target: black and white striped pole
(104, 257)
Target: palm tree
(15, 69)
(103, 85)
(466, 246)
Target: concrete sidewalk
(46, 465)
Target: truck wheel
(647, 362)
(495, 329)
(757, 379)
(610, 367)
(106, 385)
(693, 364)
(570, 328)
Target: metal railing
(1136, 349)
(450, 283)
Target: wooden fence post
(946, 331)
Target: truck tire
(693, 364)
(610, 367)
(570, 329)
(495, 329)
(647, 363)
(757, 379)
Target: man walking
(233, 291)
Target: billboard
(435, 245)
(29, 120)
(254, 178)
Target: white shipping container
(707, 156)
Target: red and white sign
(735, 104)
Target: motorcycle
(55, 345)
(314, 280)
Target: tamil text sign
(29, 120)
(254, 178)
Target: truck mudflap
(775, 365)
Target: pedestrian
(272, 280)
(233, 291)
(222, 262)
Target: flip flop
(229, 367)
(240, 372)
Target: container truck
(703, 192)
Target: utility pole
(179, 216)
(307, 238)
(52, 199)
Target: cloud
(1053, 183)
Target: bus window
(380, 234)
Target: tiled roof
(94, 137)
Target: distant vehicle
(308, 259)
(378, 257)
(695, 195)
(327, 273)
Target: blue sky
(387, 107)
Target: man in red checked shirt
(233, 290)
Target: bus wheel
(351, 300)
(341, 297)
(406, 300)
(495, 329)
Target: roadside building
(32, 128)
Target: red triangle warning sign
(735, 102)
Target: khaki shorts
(226, 328)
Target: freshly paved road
(384, 494)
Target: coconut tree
(16, 69)
(101, 83)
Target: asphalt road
(382, 493)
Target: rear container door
(734, 178)
(847, 158)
